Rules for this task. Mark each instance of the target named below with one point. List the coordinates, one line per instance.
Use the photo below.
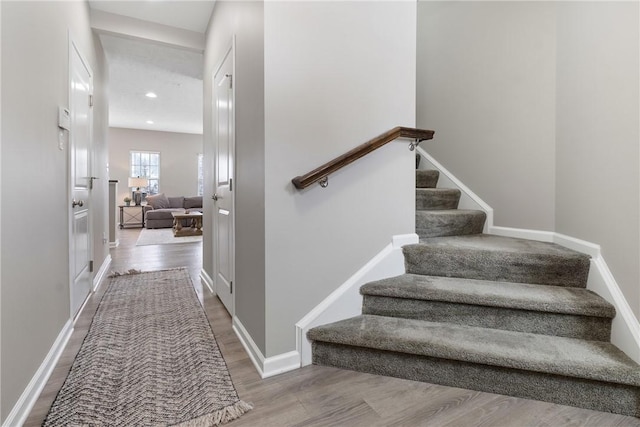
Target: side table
(131, 215)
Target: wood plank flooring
(320, 396)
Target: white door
(79, 173)
(223, 205)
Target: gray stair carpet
(540, 309)
(449, 222)
(489, 257)
(484, 312)
(427, 178)
(437, 198)
(591, 374)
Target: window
(146, 164)
(200, 175)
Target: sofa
(158, 209)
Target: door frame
(230, 50)
(74, 49)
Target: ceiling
(137, 67)
(186, 14)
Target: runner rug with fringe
(149, 358)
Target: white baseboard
(114, 244)
(280, 364)
(346, 300)
(270, 366)
(521, 233)
(102, 272)
(207, 280)
(25, 403)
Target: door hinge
(231, 286)
(230, 76)
(91, 266)
(230, 184)
(90, 100)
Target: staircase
(489, 313)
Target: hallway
(320, 396)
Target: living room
(155, 125)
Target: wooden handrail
(320, 173)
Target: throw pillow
(176, 202)
(159, 201)
(193, 202)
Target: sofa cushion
(162, 213)
(193, 202)
(158, 201)
(176, 202)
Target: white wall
(486, 85)
(336, 75)
(245, 21)
(598, 121)
(536, 108)
(178, 159)
(35, 260)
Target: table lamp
(138, 182)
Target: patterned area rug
(163, 236)
(149, 358)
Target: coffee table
(194, 219)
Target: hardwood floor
(320, 396)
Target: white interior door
(223, 205)
(79, 173)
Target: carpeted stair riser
(454, 222)
(562, 325)
(547, 310)
(437, 198)
(427, 178)
(596, 395)
(546, 269)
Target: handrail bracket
(324, 182)
(413, 145)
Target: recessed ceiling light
(149, 122)
(150, 95)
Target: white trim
(249, 345)
(583, 246)
(207, 280)
(114, 244)
(521, 233)
(346, 300)
(100, 275)
(276, 365)
(23, 406)
(266, 367)
(625, 329)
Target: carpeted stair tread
(449, 222)
(489, 257)
(437, 198)
(592, 360)
(427, 178)
(551, 299)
